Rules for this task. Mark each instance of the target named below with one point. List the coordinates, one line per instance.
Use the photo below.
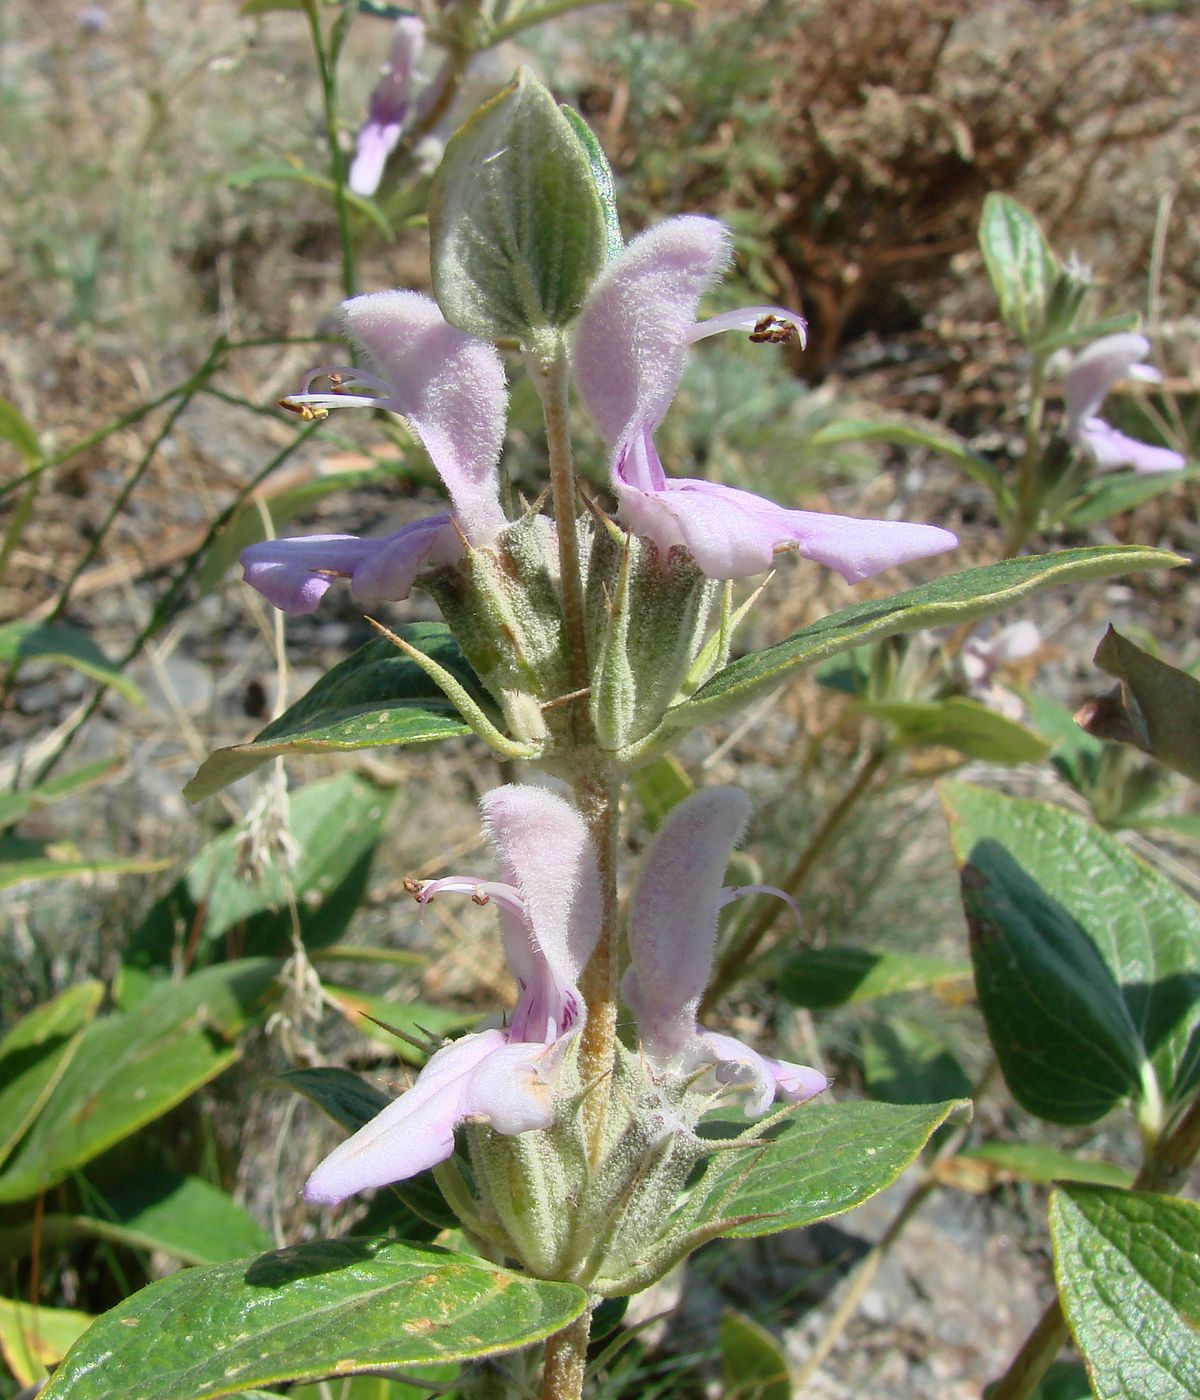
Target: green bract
(518, 232)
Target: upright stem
(327, 57)
(566, 1359)
(732, 964)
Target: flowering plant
(608, 1126)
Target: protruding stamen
(767, 325)
(732, 892)
(480, 891)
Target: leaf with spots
(330, 1308)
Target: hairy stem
(566, 1360)
(735, 961)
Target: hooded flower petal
(294, 574)
(481, 1077)
(1090, 377)
(389, 107)
(632, 335)
(450, 387)
(547, 856)
(672, 934)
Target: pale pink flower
(631, 342)
(550, 909)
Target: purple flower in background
(449, 386)
(630, 346)
(672, 933)
(390, 104)
(550, 909)
(1089, 378)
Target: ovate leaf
(333, 1307)
(1087, 960)
(948, 601)
(518, 233)
(376, 696)
(1127, 1265)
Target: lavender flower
(450, 388)
(984, 655)
(389, 107)
(1089, 378)
(672, 934)
(549, 903)
(630, 345)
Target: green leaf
(915, 432)
(1103, 496)
(336, 824)
(15, 428)
(903, 1062)
(959, 723)
(15, 805)
(23, 860)
(333, 1307)
(517, 229)
(1064, 1380)
(375, 697)
(1034, 1161)
(602, 176)
(827, 1159)
(819, 978)
(661, 785)
(948, 601)
(1127, 1265)
(298, 175)
(32, 1340)
(130, 1068)
(1087, 960)
(1020, 263)
(34, 1056)
(753, 1364)
(185, 1217)
(65, 646)
(1167, 718)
